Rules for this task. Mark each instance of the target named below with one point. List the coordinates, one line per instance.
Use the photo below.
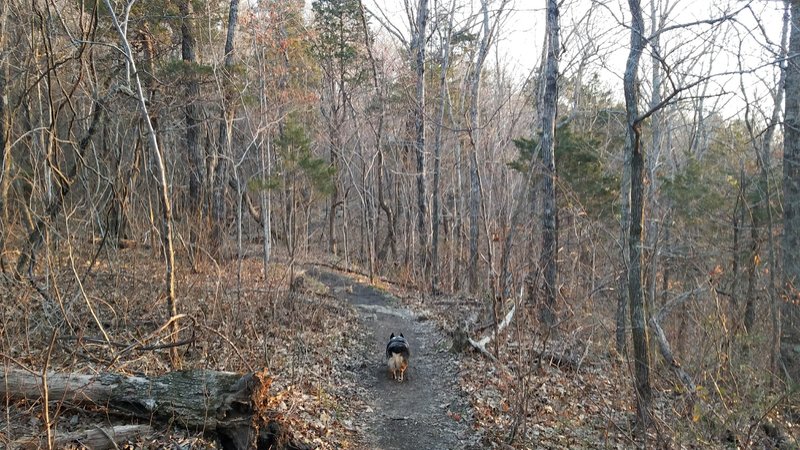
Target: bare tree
(633, 147)
(166, 204)
(475, 197)
(218, 204)
(548, 260)
(418, 49)
(446, 34)
(762, 142)
(790, 322)
(5, 134)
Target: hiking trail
(427, 410)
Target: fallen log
(98, 438)
(462, 341)
(558, 360)
(666, 353)
(480, 345)
(233, 407)
(663, 343)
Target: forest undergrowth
(566, 388)
(569, 388)
(232, 318)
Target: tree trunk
(266, 205)
(474, 135)
(672, 362)
(96, 439)
(194, 156)
(657, 129)
(790, 323)
(418, 47)
(548, 260)
(232, 406)
(166, 204)
(335, 130)
(622, 290)
(738, 222)
(5, 134)
(750, 301)
(633, 146)
(437, 153)
(218, 205)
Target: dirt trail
(420, 412)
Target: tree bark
(218, 205)
(474, 135)
(232, 406)
(633, 146)
(418, 47)
(790, 323)
(166, 203)
(548, 261)
(437, 152)
(194, 156)
(95, 439)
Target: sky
(596, 31)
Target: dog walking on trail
(397, 353)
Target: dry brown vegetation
(571, 389)
(324, 137)
(234, 318)
(230, 320)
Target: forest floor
(323, 342)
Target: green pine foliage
(339, 43)
(582, 176)
(298, 165)
(294, 147)
(707, 182)
(692, 194)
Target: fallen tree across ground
(98, 438)
(234, 408)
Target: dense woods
(609, 184)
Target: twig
(137, 347)
(46, 391)
(235, 349)
(152, 335)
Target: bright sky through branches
(595, 37)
